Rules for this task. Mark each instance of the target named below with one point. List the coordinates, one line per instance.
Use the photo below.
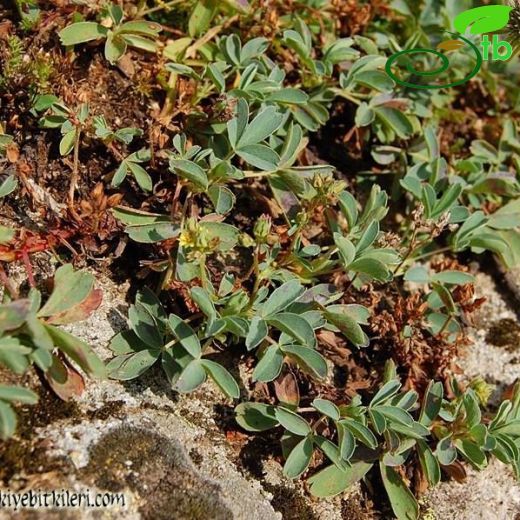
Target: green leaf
(360, 432)
(203, 300)
(222, 378)
(67, 142)
(290, 96)
(8, 421)
(82, 32)
(445, 451)
(453, 277)
(331, 481)
(256, 417)
(486, 19)
(140, 27)
(115, 47)
(8, 186)
(372, 267)
(191, 171)
(270, 365)
(257, 332)
(17, 394)
(292, 422)
(14, 314)
(365, 115)
(472, 453)
(330, 450)
(130, 366)
(394, 414)
(387, 391)
(429, 464)
(191, 377)
(294, 325)
(347, 444)
(260, 156)
(237, 125)
(327, 408)
(396, 120)
(71, 288)
(201, 17)
(223, 199)
(299, 458)
(338, 315)
(403, 502)
(146, 227)
(282, 297)
(472, 408)
(141, 176)
(78, 351)
(348, 206)
(186, 335)
(227, 234)
(308, 359)
(378, 420)
(145, 326)
(346, 249)
(417, 274)
(432, 403)
(6, 234)
(261, 127)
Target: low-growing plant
(290, 206)
(31, 336)
(118, 35)
(387, 432)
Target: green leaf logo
(484, 19)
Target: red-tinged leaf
(65, 380)
(286, 389)
(81, 311)
(456, 471)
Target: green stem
(166, 5)
(445, 326)
(432, 253)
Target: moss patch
(159, 471)
(505, 333)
